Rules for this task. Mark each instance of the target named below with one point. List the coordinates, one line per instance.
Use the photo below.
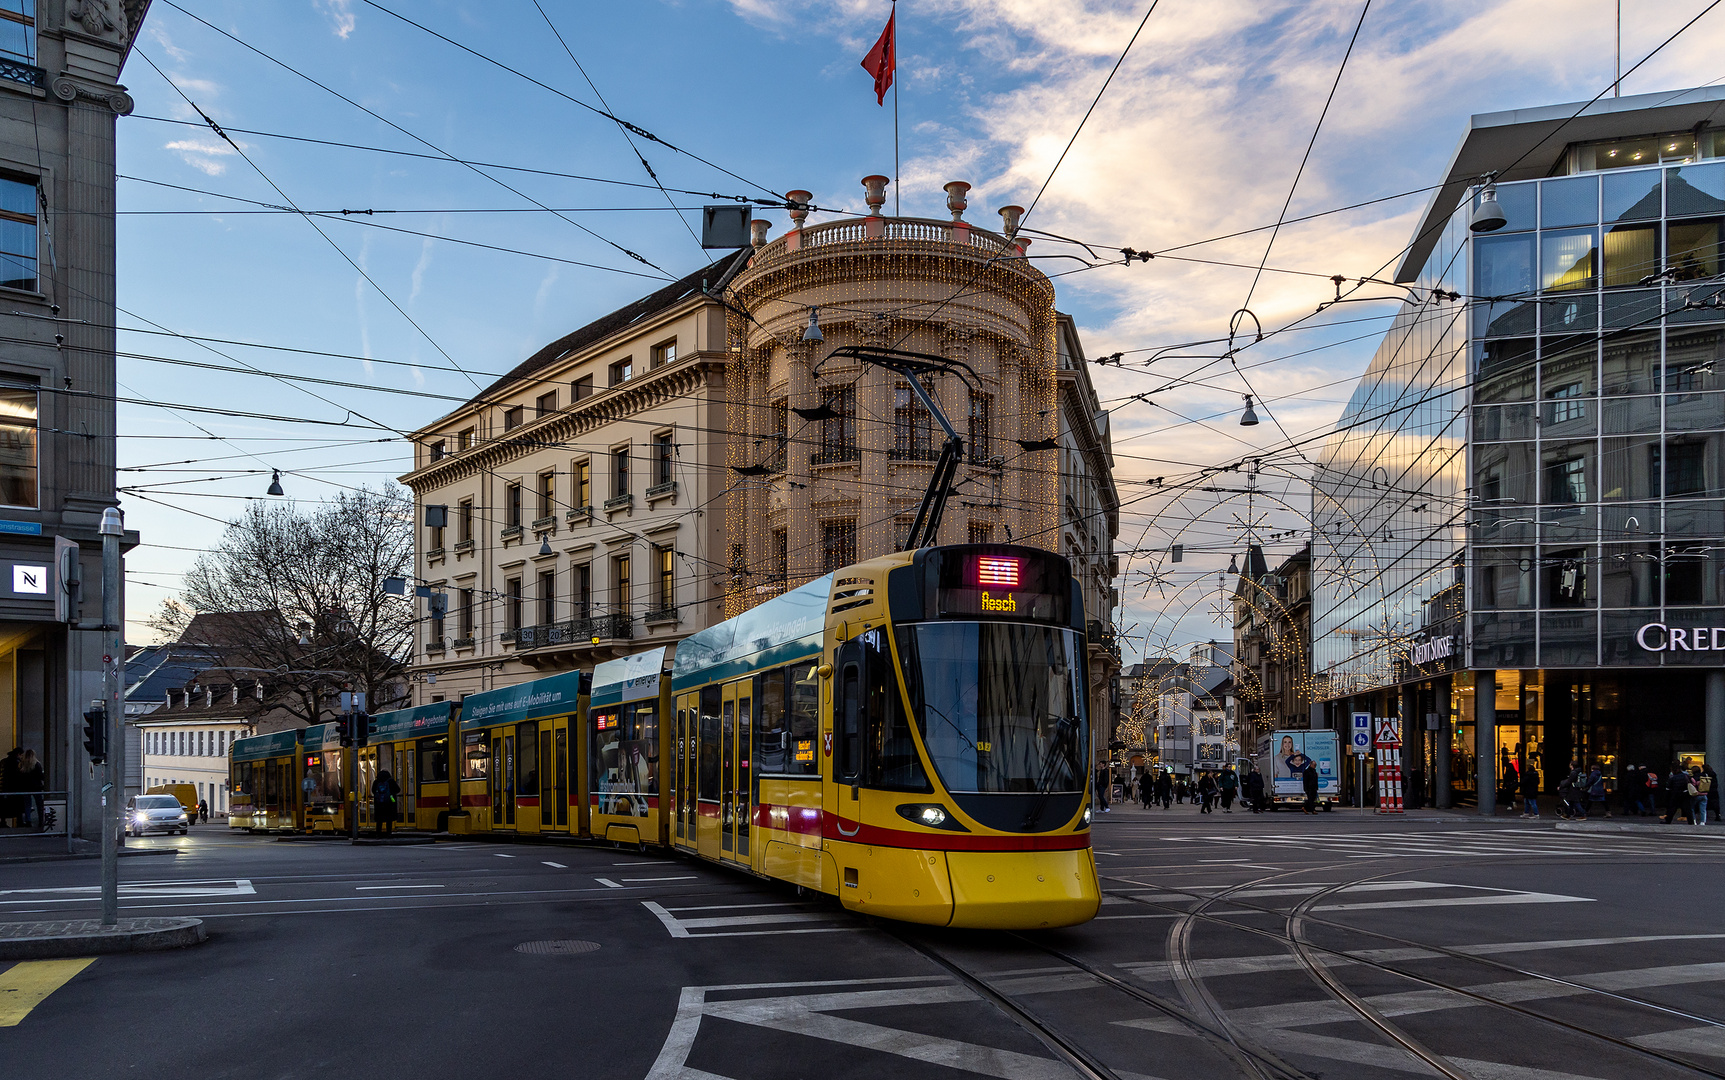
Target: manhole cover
(556, 948)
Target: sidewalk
(51, 847)
(87, 937)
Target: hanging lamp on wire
(1248, 418)
(545, 551)
(1488, 216)
(276, 483)
(813, 333)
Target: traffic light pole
(114, 769)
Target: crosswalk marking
(716, 925)
(26, 985)
(558, 865)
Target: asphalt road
(1274, 946)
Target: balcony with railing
(835, 455)
(575, 632)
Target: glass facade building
(1529, 483)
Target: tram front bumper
(1023, 890)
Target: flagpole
(895, 206)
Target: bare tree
(298, 598)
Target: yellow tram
(908, 734)
(263, 782)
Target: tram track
(1305, 951)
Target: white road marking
(500, 855)
(146, 890)
(1708, 1040)
(709, 925)
(608, 883)
(686, 877)
(372, 888)
(558, 865)
(809, 1014)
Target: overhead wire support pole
(114, 769)
(913, 365)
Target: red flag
(882, 60)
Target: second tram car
(908, 734)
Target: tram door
(502, 780)
(735, 769)
(706, 723)
(683, 771)
(554, 757)
(527, 778)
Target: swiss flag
(882, 60)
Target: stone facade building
(711, 445)
(59, 101)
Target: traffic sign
(1362, 741)
(1389, 733)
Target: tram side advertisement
(1284, 756)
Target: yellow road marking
(25, 985)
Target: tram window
(771, 754)
(474, 756)
(434, 761)
(804, 720)
(527, 759)
(847, 753)
(892, 759)
(709, 746)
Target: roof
(155, 670)
(1533, 141)
(223, 628)
(621, 319)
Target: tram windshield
(1000, 705)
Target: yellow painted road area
(28, 983)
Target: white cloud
(340, 14)
(203, 154)
(420, 267)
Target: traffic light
(69, 596)
(344, 727)
(96, 731)
(362, 728)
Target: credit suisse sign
(1436, 649)
(1657, 637)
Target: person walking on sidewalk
(1309, 782)
(1702, 784)
(1165, 790)
(1206, 793)
(32, 781)
(1677, 794)
(1596, 793)
(1103, 782)
(383, 792)
(1230, 786)
(1255, 790)
(1530, 791)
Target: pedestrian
(383, 792)
(11, 804)
(1676, 791)
(1596, 792)
(1629, 790)
(1146, 788)
(203, 812)
(1181, 791)
(1103, 783)
(1703, 786)
(1229, 787)
(1530, 791)
(1255, 790)
(1165, 789)
(1309, 781)
(1652, 789)
(1206, 793)
(1574, 791)
(32, 781)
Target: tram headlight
(1087, 815)
(932, 816)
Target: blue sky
(1200, 134)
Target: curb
(1702, 832)
(86, 937)
(8, 860)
